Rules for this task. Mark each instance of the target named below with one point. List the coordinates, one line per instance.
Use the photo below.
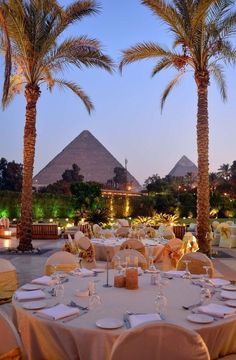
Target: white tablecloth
(153, 247)
(81, 339)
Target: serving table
(79, 338)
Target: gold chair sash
(8, 284)
(50, 269)
(13, 354)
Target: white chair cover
(78, 235)
(122, 254)
(160, 342)
(10, 344)
(123, 222)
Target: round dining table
(80, 339)
(153, 247)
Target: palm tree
(201, 32)
(35, 27)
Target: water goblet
(160, 304)
(119, 267)
(59, 290)
(94, 300)
(78, 260)
(187, 274)
(207, 268)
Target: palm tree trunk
(203, 206)
(32, 94)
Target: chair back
(123, 222)
(10, 345)
(134, 244)
(63, 260)
(160, 341)
(87, 252)
(150, 232)
(123, 254)
(78, 235)
(8, 280)
(122, 231)
(172, 252)
(197, 261)
(190, 242)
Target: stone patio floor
(31, 266)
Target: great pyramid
(95, 161)
(182, 167)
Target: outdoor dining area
(125, 292)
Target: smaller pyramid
(183, 167)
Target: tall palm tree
(201, 32)
(35, 27)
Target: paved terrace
(30, 266)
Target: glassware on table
(78, 260)
(152, 267)
(59, 290)
(119, 267)
(207, 268)
(205, 295)
(160, 304)
(94, 300)
(187, 274)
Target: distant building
(96, 163)
(183, 167)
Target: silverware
(73, 304)
(190, 307)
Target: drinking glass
(207, 268)
(59, 290)
(205, 295)
(78, 260)
(119, 267)
(160, 304)
(187, 274)
(94, 300)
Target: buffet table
(79, 338)
(153, 247)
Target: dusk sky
(127, 118)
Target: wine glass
(160, 304)
(187, 274)
(207, 268)
(205, 295)
(59, 290)
(94, 300)
(78, 260)
(119, 267)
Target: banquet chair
(172, 252)
(62, 260)
(168, 233)
(97, 231)
(78, 235)
(150, 232)
(123, 254)
(87, 252)
(123, 222)
(159, 341)
(11, 347)
(197, 261)
(122, 231)
(227, 239)
(190, 243)
(8, 280)
(134, 244)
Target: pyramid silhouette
(182, 167)
(95, 161)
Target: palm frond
(218, 74)
(169, 87)
(7, 46)
(142, 51)
(164, 63)
(77, 10)
(77, 90)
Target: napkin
(217, 310)
(43, 280)
(138, 319)
(85, 272)
(230, 295)
(174, 273)
(29, 295)
(218, 282)
(58, 312)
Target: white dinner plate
(98, 270)
(34, 305)
(31, 287)
(200, 318)
(109, 323)
(229, 287)
(231, 303)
